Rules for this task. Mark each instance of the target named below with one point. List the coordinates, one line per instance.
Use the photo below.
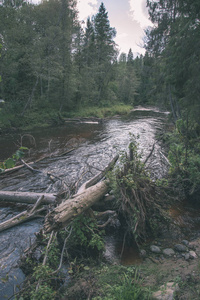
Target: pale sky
(129, 17)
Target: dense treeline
(173, 47)
(173, 55)
(49, 62)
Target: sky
(129, 17)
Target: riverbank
(45, 118)
(101, 279)
(148, 280)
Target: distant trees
(50, 62)
(128, 81)
(174, 44)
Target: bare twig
(62, 254)
(151, 152)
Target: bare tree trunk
(62, 215)
(26, 197)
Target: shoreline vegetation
(44, 118)
(173, 262)
(54, 70)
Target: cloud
(86, 8)
(123, 35)
(138, 13)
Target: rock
(180, 248)
(185, 242)
(192, 245)
(192, 254)
(143, 253)
(187, 256)
(155, 249)
(168, 252)
(166, 292)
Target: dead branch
(29, 167)
(151, 152)
(21, 218)
(62, 253)
(99, 176)
(27, 197)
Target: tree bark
(20, 218)
(26, 197)
(62, 215)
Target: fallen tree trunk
(26, 197)
(63, 214)
(21, 218)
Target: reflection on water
(116, 251)
(129, 254)
(187, 216)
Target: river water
(76, 152)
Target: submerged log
(63, 214)
(21, 218)
(26, 197)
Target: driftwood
(19, 167)
(26, 197)
(24, 216)
(21, 218)
(88, 194)
(63, 214)
(16, 168)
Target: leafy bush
(11, 161)
(184, 156)
(86, 238)
(139, 198)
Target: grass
(102, 112)
(111, 283)
(46, 117)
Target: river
(76, 152)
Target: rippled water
(94, 146)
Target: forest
(49, 63)
(51, 68)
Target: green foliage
(11, 162)
(86, 236)
(66, 69)
(184, 156)
(139, 198)
(129, 286)
(45, 290)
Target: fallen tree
(88, 194)
(27, 197)
(63, 214)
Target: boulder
(180, 248)
(168, 252)
(155, 249)
(185, 242)
(166, 291)
(192, 254)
